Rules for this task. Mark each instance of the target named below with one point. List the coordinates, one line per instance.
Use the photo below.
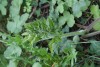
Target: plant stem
(66, 35)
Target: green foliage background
(30, 39)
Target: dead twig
(91, 34)
(92, 24)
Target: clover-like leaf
(67, 18)
(80, 6)
(60, 8)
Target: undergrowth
(49, 33)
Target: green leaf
(92, 64)
(76, 39)
(12, 63)
(12, 52)
(17, 3)
(62, 20)
(36, 64)
(54, 2)
(3, 61)
(66, 18)
(60, 7)
(80, 6)
(16, 26)
(3, 10)
(86, 64)
(14, 11)
(95, 48)
(96, 26)
(3, 3)
(71, 21)
(69, 2)
(76, 10)
(23, 18)
(38, 12)
(95, 11)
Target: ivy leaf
(95, 11)
(95, 48)
(12, 52)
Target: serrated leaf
(12, 52)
